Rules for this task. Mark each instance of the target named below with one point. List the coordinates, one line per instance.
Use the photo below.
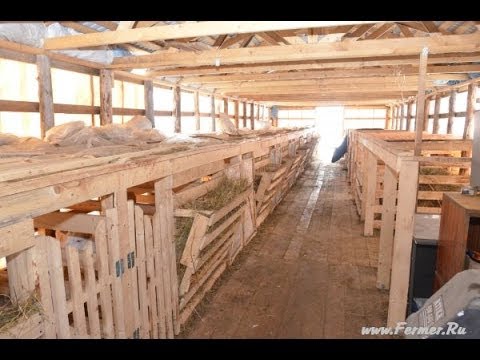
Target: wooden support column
(244, 114)
(177, 108)
(471, 98)
(451, 110)
(212, 112)
(106, 85)
(402, 117)
(388, 118)
(258, 112)
(402, 245)
(436, 115)
(394, 117)
(45, 94)
(370, 188)
(149, 105)
(426, 115)
(225, 106)
(236, 114)
(420, 112)
(409, 116)
(252, 116)
(387, 229)
(196, 109)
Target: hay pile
(11, 314)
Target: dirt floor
(309, 273)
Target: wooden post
(402, 245)
(387, 228)
(252, 116)
(420, 112)
(244, 114)
(258, 112)
(388, 118)
(177, 108)
(237, 119)
(471, 98)
(225, 106)
(45, 94)
(409, 115)
(212, 112)
(436, 115)
(402, 117)
(370, 188)
(149, 105)
(451, 111)
(394, 117)
(106, 85)
(196, 109)
(426, 117)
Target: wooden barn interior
(174, 179)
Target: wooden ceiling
(307, 62)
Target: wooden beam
(236, 114)
(369, 188)
(196, 109)
(430, 26)
(225, 105)
(247, 41)
(426, 117)
(252, 116)
(106, 85)
(235, 39)
(181, 31)
(359, 32)
(379, 32)
(385, 47)
(436, 118)
(177, 108)
(451, 111)
(45, 94)
(419, 112)
(409, 115)
(212, 112)
(244, 114)
(219, 41)
(149, 104)
(471, 97)
(124, 25)
(404, 30)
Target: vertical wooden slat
(388, 118)
(196, 109)
(177, 108)
(402, 117)
(369, 188)
(402, 244)
(394, 117)
(236, 114)
(426, 114)
(114, 256)
(258, 112)
(225, 106)
(45, 94)
(252, 116)
(149, 102)
(142, 271)
(420, 109)
(387, 228)
(20, 275)
(57, 285)
(101, 243)
(471, 98)
(76, 291)
(41, 265)
(409, 116)
(212, 112)
(436, 115)
(244, 114)
(451, 110)
(152, 282)
(133, 267)
(91, 289)
(106, 85)
(92, 97)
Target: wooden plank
(57, 285)
(45, 94)
(196, 108)
(104, 280)
(252, 116)
(451, 111)
(68, 221)
(41, 267)
(16, 237)
(471, 101)
(193, 245)
(244, 114)
(436, 123)
(443, 179)
(367, 48)
(142, 272)
(112, 224)
(157, 317)
(76, 291)
(428, 210)
(402, 245)
(149, 102)
(132, 268)
(177, 109)
(236, 114)
(387, 229)
(369, 189)
(239, 199)
(426, 116)
(30, 328)
(106, 85)
(420, 110)
(212, 112)
(359, 32)
(409, 116)
(91, 289)
(180, 31)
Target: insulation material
(24, 33)
(60, 133)
(139, 122)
